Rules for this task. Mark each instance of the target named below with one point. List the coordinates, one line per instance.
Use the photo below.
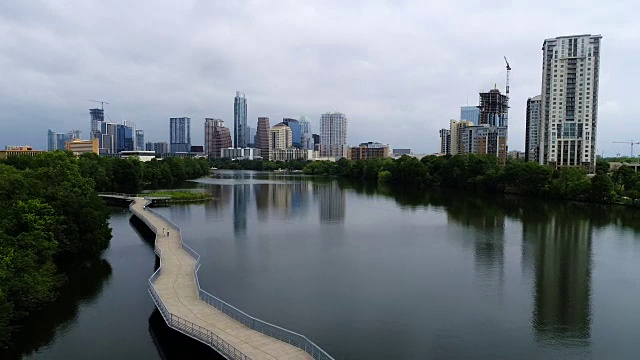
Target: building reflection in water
(562, 286)
(332, 202)
(241, 196)
(221, 199)
(488, 224)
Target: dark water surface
(375, 274)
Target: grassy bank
(180, 196)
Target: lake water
(371, 273)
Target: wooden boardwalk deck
(177, 289)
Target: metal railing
(123, 195)
(276, 332)
(176, 322)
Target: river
(371, 273)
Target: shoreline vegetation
(52, 221)
(180, 196)
(480, 173)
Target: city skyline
(376, 89)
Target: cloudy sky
(399, 69)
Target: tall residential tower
(333, 135)
(532, 131)
(216, 137)
(180, 134)
(569, 101)
(240, 120)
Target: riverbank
(180, 196)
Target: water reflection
(241, 197)
(562, 289)
(84, 286)
(332, 202)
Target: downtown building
(262, 137)
(369, 150)
(157, 147)
(97, 119)
(569, 101)
(456, 128)
(333, 135)
(445, 141)
(532, 129)
(240, 120)
(216, 137)
(180, 134)
(470, 113)
(296, 131)
(280, 138)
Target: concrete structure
(216, 137)
(187, 308)
(400, 152)
(97, 118)
(239, 120)
(24, 150)
(516, 155)
(470, 113)
(292, 154)
(157, 147)
(569, 100)
(532, 129)
(494, 108)
(455, 129)
(296, 131)
(445, 141)
(179, 134)
(241, 153)
(143, 155)
(333, 135)
(262, 136)
(280, 137)
(79, 147)
(369, 150)
(484, 139)
(613, 166)
(108, 138)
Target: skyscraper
(569, 101)
(470, 113)
(124, 138)
(532, 131)
(216, 137)
(239, 120)
(280, 137)
(180, 134)
(306, 140)
(445, 141)
(494, 108)
(333, 135)
(262, 137)
(296, 131)
(139, 139)
(97, 118)
(51, 140)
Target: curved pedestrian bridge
(187, 308)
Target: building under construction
(494, 108)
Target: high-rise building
(139, 140)
(51, 140)
(125, 138)
(333, 135)
(296, 131)
(494, 108)
(108, 138)
(445, 141)
(316, 141)
(455, 130)
(216, 137)
(306, 140)
(484, 139)
(470, 113)
(532, 130)
(180, 134)
(239, 120)
(251, 136)
(97, 118)
(280, 137)
(262, 136)
(161, 147)
(369, 150)
(569, 101)
(148, 146)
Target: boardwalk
(188, 309)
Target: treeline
(51, 220)
(483, 173)
(258, 165)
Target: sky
(399, 70)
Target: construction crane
(101, 103)
(629, 143)
(508, 72)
